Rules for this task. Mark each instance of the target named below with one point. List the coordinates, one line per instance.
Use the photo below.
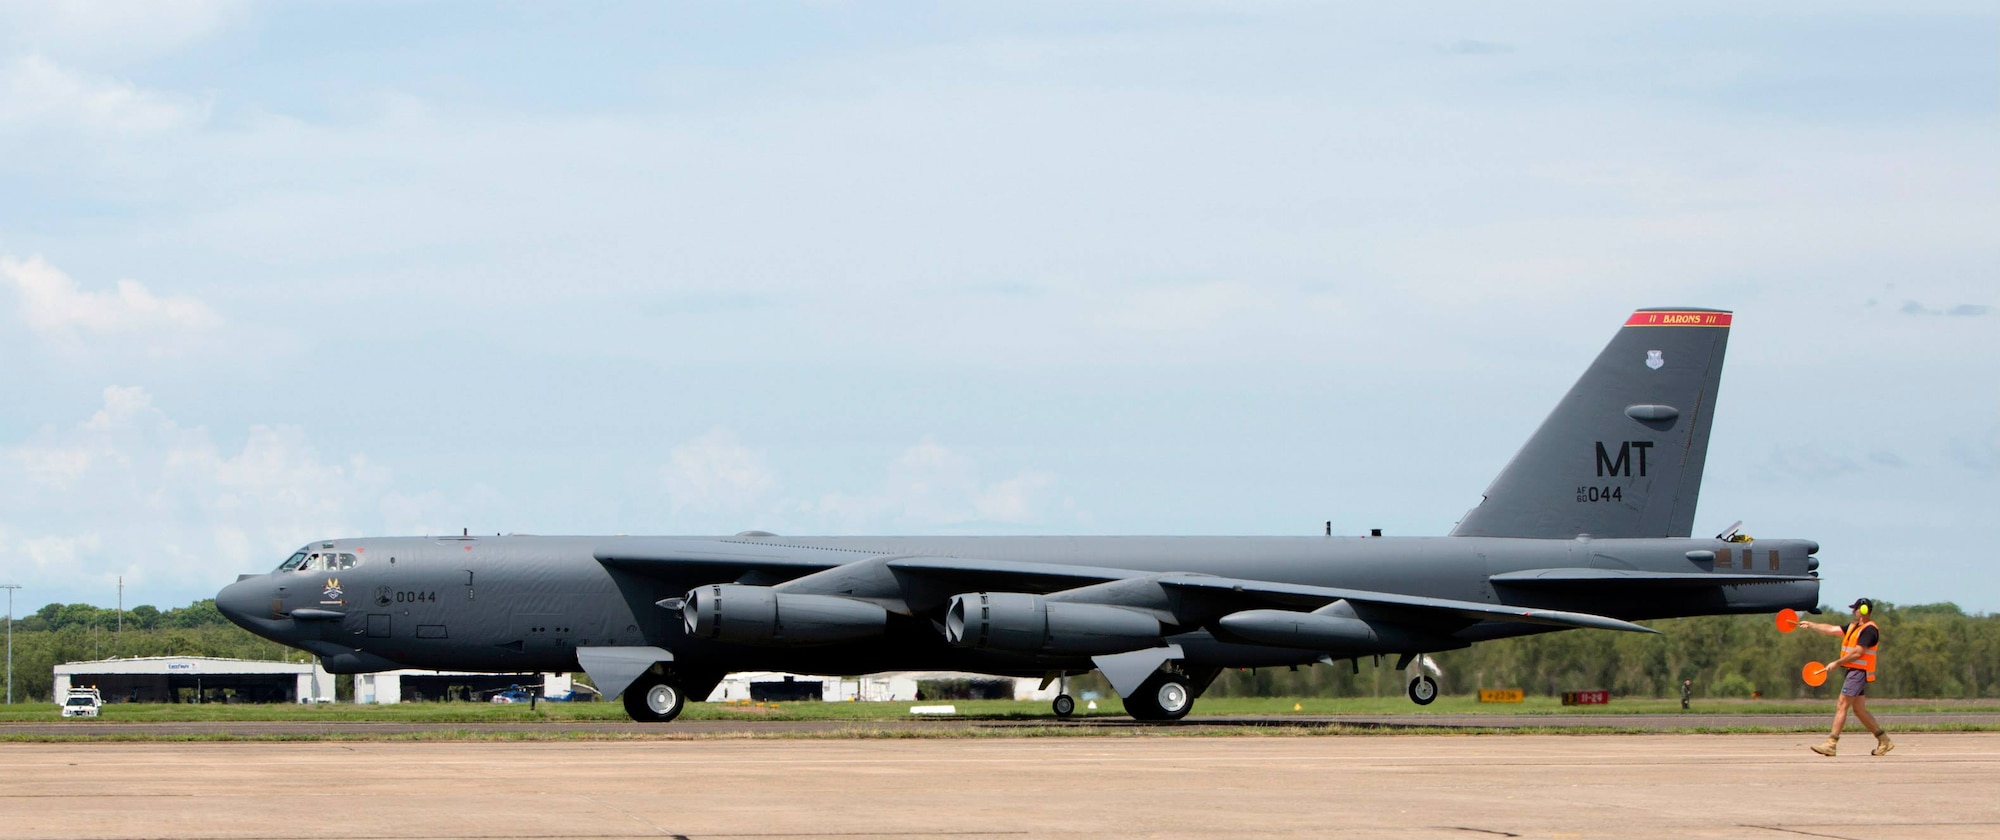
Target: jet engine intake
(1018, 622)
(1331, 633)
(760, 615)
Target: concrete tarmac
(934, 727)
(1935, 785)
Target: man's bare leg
(1882, 743)
(1832, 745)
(1860, 710)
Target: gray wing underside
(1314, 597)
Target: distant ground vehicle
(82, 702)
(518, 694)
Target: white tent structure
(197, 679)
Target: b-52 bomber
(1587, 527)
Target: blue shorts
(1856, 684)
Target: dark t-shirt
(1869, 637)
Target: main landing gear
(1156, 683)
(1164, 696)
(654, 698)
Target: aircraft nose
(246, 602)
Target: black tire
(654, 698)
(1064, 706)
(1164, 696)
(1423, 690)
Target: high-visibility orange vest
(1850, 644)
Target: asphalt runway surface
(1935, 785)
(752, 727)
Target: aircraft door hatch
(378, 625)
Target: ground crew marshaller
(1858, 641)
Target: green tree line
(61, 633)
(1928, 651)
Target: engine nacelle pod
(760, 615)
(1018, 622)
(1333, 633)
(357, 662)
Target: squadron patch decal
(1655, 359)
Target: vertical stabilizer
(1622, 454)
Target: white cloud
(38, 94)
(56, 553)
(717, 474)
(53, 305)
(717, 484)
(1020, 499)
(1182, 307)
(113, 31)
(931, 487)
(130, 492)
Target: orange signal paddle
(1788, 620)
(1814, 674)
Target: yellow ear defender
(1864, 609)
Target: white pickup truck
(82, 702)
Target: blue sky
(278, 272)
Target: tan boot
(1882, 745)
(1828, 749)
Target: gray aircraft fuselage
(525, 603)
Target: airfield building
(197, 679)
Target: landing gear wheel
(1064, 706)
(1164, 696)
(1423, 690)
(654, 698)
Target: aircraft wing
(689, 559)
(1047, 578)
(1314, 597)
(1608, 578)
(709, 558)
(966, 574)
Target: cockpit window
(319, 561)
